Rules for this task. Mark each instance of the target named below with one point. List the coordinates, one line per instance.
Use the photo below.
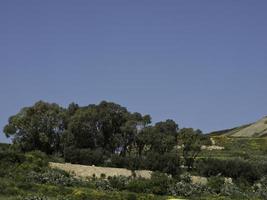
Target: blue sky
(201, 63)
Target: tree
(191, 141)
(163, 136)
(85, 129)
(39, 127)
(168, 127)
(107, 125)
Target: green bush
(233, 191)
(237, 169)
(10, 156)
(34, 197)
(166, 163)
(215, 183)
(186, 189)
(103, 184)
(35, 161)
(139, 185)
(131, 196)
(186, 177)
(55, 177)
(118, 182)
(9, 161)
(159, 183)
(260, 188)
(129, 162)
(84, 156)
(8, 187)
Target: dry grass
(85, 171)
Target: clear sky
(201, 63)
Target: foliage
(216, 183)
(167, 162)
(103, 134)
(39, 127)
(55, 177)
(237, 169)
(118, 182)
(84, 156)
(108, 134)
(261, 187)
(191, 141)
(233, 191)
(34, 197)
(103, 184)
(186, 189)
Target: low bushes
(260, 188)
(185, 189)
(237, 169)
(158, 184)
(84, 156)
(30, 174)
(166, 163)
(216, 183)
(54, 177)
(34, 197)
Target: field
(90, 171)
(250, 148)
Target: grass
(8, 198)
(248, 148)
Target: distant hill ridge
(257, 129)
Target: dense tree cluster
(106, 133)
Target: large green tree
(107, 125)
(160, 138)
(38, 127)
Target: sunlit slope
(257, 129)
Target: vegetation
(104, 134)
(109, 135)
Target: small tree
(191, 141)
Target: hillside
(257, 129)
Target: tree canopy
(99, 133)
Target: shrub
(261, 188)
(34, 197)
(9, 160)
(237, 169)
(166, 163)
(131, 196)
(185, 189)
(139, 185)
(233, 191)
(10, 156)
(129, 162)
(55, 177)
(159, 183)
(8, 187)
(84, 156)
(118, 182)
(35, 161)
(186, 177)
(216, 183)
(117, 161)
(103, 184)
